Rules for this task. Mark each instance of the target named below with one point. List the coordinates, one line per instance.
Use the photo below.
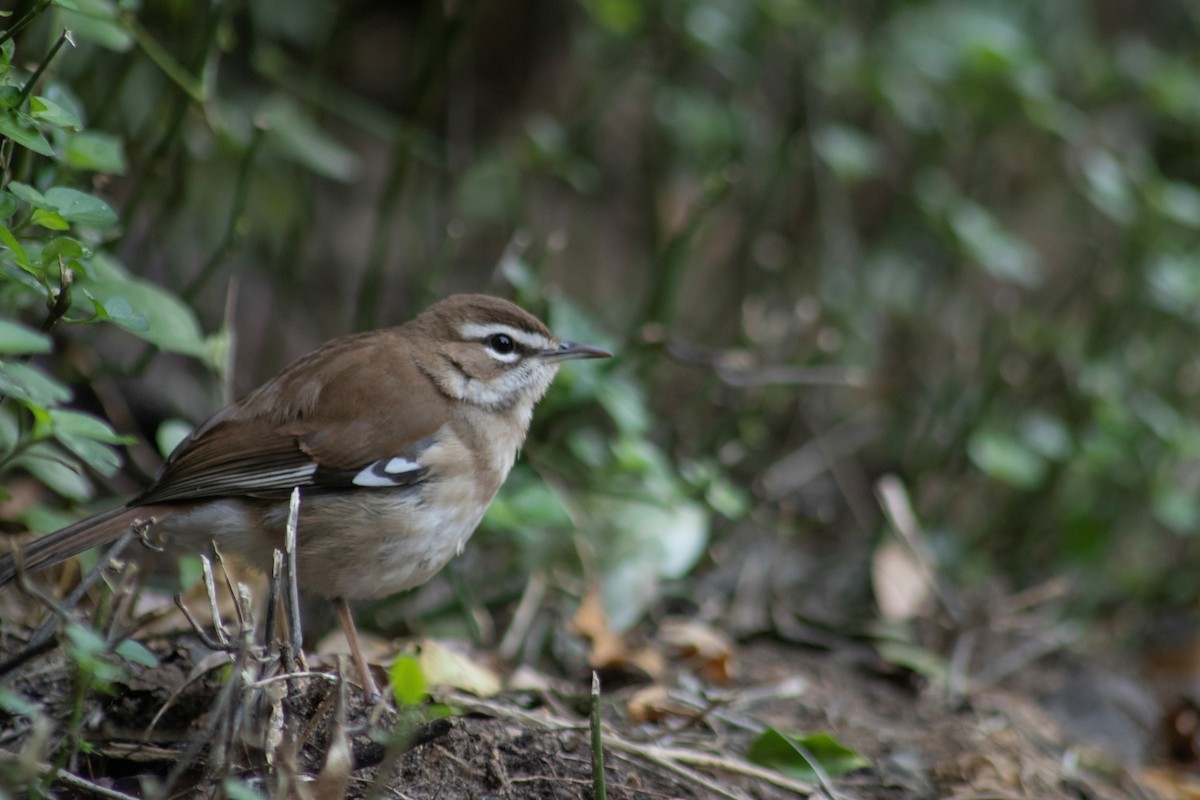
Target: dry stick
(197, 628)
(527, 608)
(210, 588)
(897, 507)
(178, 692)
(293, 591)
(242, 604)
(272, 620)
(598, 781)
(215, 716)
(334, 776)
(93, 789)
(685, 773)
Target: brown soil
(536, 744)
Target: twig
(241, 609)
(63, 38)
(670, 757)
(292, 601)
(286, 676)
(686, 773)
(93, 789)
(897, 507)
(696, 758)
(178, 692)
(522, 620)
(273, 598)
(745, 377)
(23, 22)
(197, 628)
(210, 587)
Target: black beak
(568, 351)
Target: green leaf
(82, 208)
(60, 247)
(96, 152)
(786, 754)
(1108, 185)
(87, 425)
(119, 311)
(30, 195)
(298, 136)
(85, 642)
(19, 128)
(16, 703)
(916, 658)
(8, 205)
(10, 241)
(84, 436)
(1005, 256)
(18, 338)
(28, 383)
(644, 542)
(169, 323)
(407, 681)
(236, 790)
(1007, 459)
(49, 220)
(45, 110)
(848, 152)
(51, 466)
(137, 653)
(170, 434)
(622, 17)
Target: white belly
(368, 544)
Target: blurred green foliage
(971, 227)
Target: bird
(397, 438)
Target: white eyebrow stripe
(530, 339)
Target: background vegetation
(951, 241)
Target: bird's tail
(74, 539)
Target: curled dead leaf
(608, 648)
(654, 703)
(709, 650)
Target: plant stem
(24, 21)
(63, 38)
(600, 791)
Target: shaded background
(951, 242)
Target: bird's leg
(351, 632)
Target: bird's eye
(501, 343)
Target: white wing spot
(399, 465)
(385, 473)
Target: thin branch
(63, 38)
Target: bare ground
(179, 724)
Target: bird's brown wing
(320, 423)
